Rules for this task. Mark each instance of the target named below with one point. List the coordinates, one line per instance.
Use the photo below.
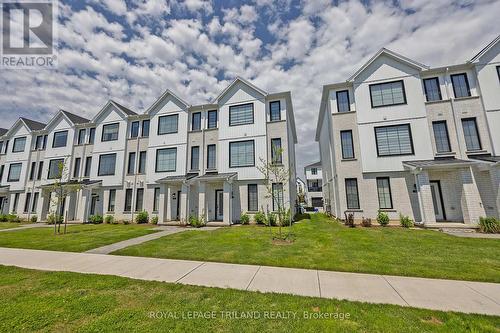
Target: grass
(323, 244)
(36, 301)
(9, 225)
(79, 238)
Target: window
(1, 146)
(460, 85)
(441, 136)
(276, 154)
(384, 193)
(16, 201)
(211, 157)
(18, 145)
(471, 134)
(277, 189)
(314, 185)
(241, 114)
(168, 124)
(275, 110)
(32, 170)
(27, 202)
(253, 198)
(40, 170)
(92, 136)
(347, 144)
(195, 158)
(35, 202)
(6, 147)
(1, 172)
(60, 139)
(498, 72)
(142, 162)
(134, 129)
(156, 201)
(111, 200)
(139, 199)
(76, 168)
(88, 166)
(386, 94)
(432, 89)
(145, 128)
(241, 154)
(55, 168)
(110, 132)
(81, 136)
(351, 191)
(314, 171)
(394, 140)
(131, 163)
(196, 121)
(166, 159)
(107, 163)
(44, 142)
(128, 200)
(39, 142)
(343, 104)
(212, 119)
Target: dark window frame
(240, 105)
(143, 126)
(342, 146)
(40, 171)
(248, 197)
(244, 166)
(99, 174)
(391, 155)
(141, 167)
(405, 101)
(128, 200)
(447, 135)
(129, 165)
(91, 136)
(348, 100)
(32, 171)
(34, 202)
(59, 160)
(81, 140)
(466, 84)
(137, 191)
(192, 160)
(156, 192)
(117, 132)
(209, 125)
(88, 167)
(357, 193)
(156, 160)
(436, 79)
(76, 167)
(54, 139)
(164, 117)
(271, 113)
(215, 157)
(390, 192)
(112, 208)
(498, 72)
(197, 114)
(278, 199)
(274, 158)
(134, 132)
(27, 202)
(477, 132)
(14, 144)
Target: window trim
(192, 160)
(99, 174)
(466, 84)
(346, 195)
(163, 117)
(447, 136)
(117, 134)
(88, 166)
(392, 155)
(439, 89)
(130, 154)
(208, 155)
(352, 145)
(143, 155)
(145, 121)
(477, 131)
(244, 166)
(390, 192)
(198, 114)
(156, 159)
(82, 141)
(248, 197)
(132, 129)
(348, 100)
(127, 191)
(39, 173)
(91, 140)
(76, 172)
(388, 105)
(54, 139)
(137, 191)
(55, 160)
(245, 104)
(279, 111)
(14, 145)
(216, 119)
(274, 160)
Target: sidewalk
(436, 294)
(28, 226)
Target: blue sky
(132, 51)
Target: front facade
(314, 182)
(174, 161)
(401, 137)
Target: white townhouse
(174, 160)
(401, 137)
(314, 179)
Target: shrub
(3, 218)
(405, 221)
(33, 219)
(109, 219)
(13, 218)
(154, 219)
(245, 219)
(53, 218)
(96, 219)
(382, 218)
(260, 218)
(142, 217)
(196, 222)
(270, 219)
(366, 222)
(489, 225)
(303, 216)
(126, 222)
(349, 220)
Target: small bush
(3, 218)
(109, 219)
(260, 218)
(303, 216)
(489, 225)
(245, 219)
(33, 219)
(196, 222)
(126, 222)
(13, 218)
(382, 218)
(349, 220)
(96, 219)
(271, 219)
(154, 219)
(142, 217)
(405, 221)
(366, 222)
(53, 218)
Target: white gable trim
(235, 81)
(162, 98)
(56, 117)
(14, 127)
(485, 50)
(105, 108)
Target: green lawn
(9, 225)
(327, 245)
(70, 302)
(78, 238)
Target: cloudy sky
(132, 51)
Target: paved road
(448, 295)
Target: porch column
(472, 207)
(161, 204)
(227, 203)
(202, 211)
(425, 198)
(167, 205)
(495, 182)
(183, 214)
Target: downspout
(452, 103)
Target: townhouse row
(401, 137)
(174, 160)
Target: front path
(436, 294)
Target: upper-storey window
(460, 84)
(498, 72)
(60, 139)
(195, 158)
(276, 152)
(432, 89)
(347, 144)
(18, 145)
(314, 171)
(196, 121)
(40, 142)
(241, 114)
(110, 132)
(92, 135)
(14, 172)
(166, 159)
(471, 134)
(242, 154)
(168, 124)
(211, 156)
(134, 129)
(441, 136)
(1, 146)
(275, 110)
(394, 140)
(386, 94)
(212, 119)
(145, 128)
(81, 136)
(107, 165)
(55, 168)
(6, 147)
(343, 104)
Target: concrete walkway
(447, 295)
(28, 226)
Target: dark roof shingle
(124, 109)
(33, 125)
(74, 118)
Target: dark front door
(178, 206)
(437, 200)
(93, 204)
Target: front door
(93, 204)
(219, 205)
(437, 200)
(178, 205)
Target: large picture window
(168, 124)
(18, 145)
(384, 193)
(352, 195)
(107, 164)
(241, 114)
(14, 172)
(394, 140)
(343, 104)
(471, 134)
(110, 132)
(241, 154)
(55, 168)
(460, 85)
(432, 89)
(166, 159)
(253, 198)
(441, 136)
(386, 94)
(347, 144)
(60, 139)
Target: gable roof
(315, 164)
(383, 51)
(486, 49)
(120, 108)
(32, 124)
(3, 131)
(74, 118)
(165, 94)
(125, 110)
(236, 81)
